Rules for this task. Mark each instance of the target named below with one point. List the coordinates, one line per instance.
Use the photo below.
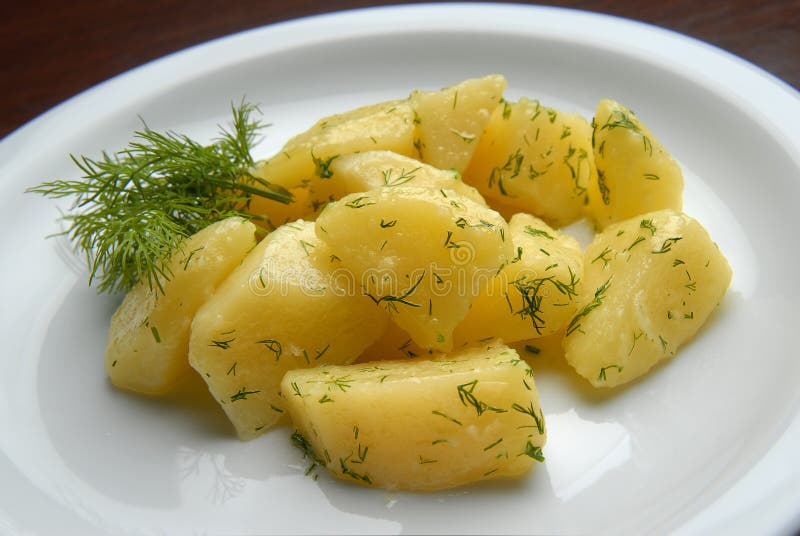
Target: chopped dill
(599, 296)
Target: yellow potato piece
(451, 121)
(536, 160)
(650, 283)
(149, 335)
(635, 173)
(304, 161)
(284, 307)
(421, 254)
(535, 294)
(443, 125)
(423, 424)
(395, 343)
(548, 349)
(360, 172)
(276, 214)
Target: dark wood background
(51, 50)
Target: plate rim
(465, 9)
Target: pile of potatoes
(375, 310)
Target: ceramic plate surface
(707, 443)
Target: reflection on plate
(706, 443)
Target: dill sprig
(132, 210)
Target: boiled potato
(275, 213)
(650, 283)
(395, 343)
(535, 294)
(421, 424)
(149, 334)
(421, 254)
(536, 160)
(549, 348)
(360, 172)
(284, 307)
(302, 166)
(450, 122)
(635, 173)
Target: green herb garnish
(132, 210)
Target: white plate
(707, 443)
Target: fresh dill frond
(132, 210)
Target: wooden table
(52, 50)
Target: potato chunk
(535, 294)
(635, 173)
(395, 343)
(441, 423)
(451, 121)
(536, 160)
(282, 308)
(360, 172)
(149, 335)
(542, 351)
(650, 283)
(302, 166)
(421, 254)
